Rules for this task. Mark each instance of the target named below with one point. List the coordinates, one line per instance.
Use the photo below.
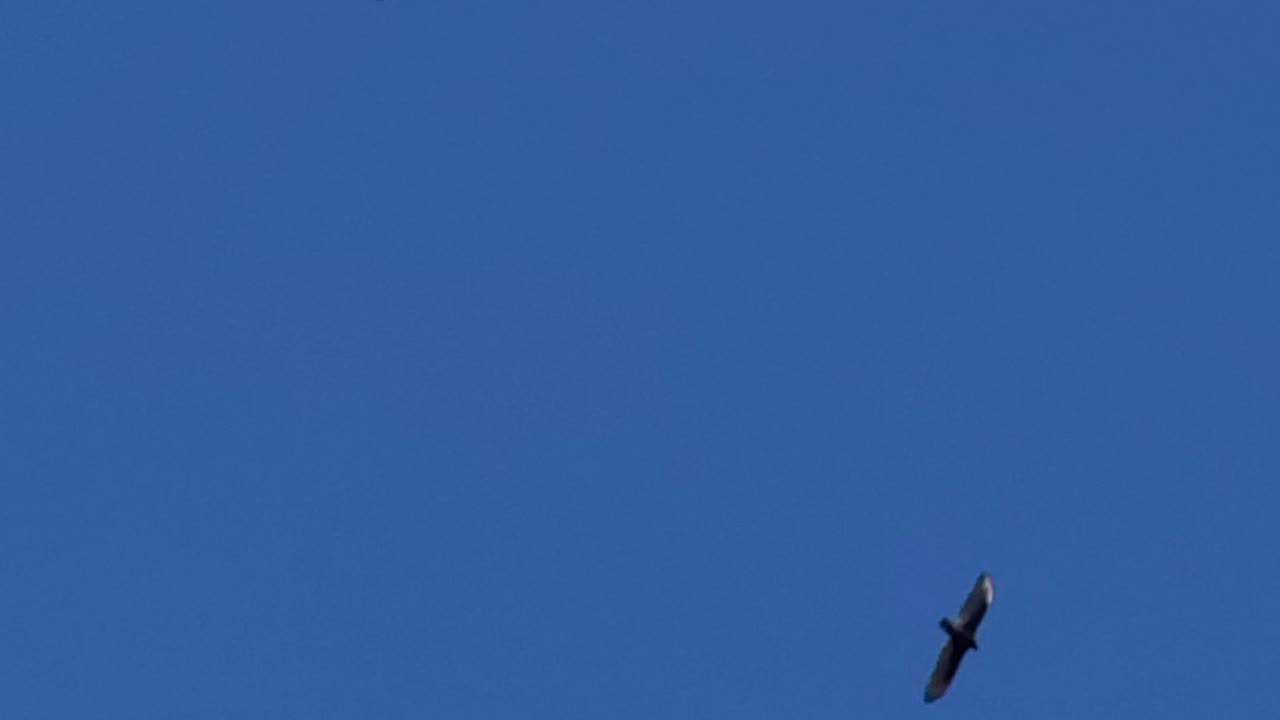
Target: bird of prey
(962, 631)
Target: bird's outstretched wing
(975, 606)
(943, 671)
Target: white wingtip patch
(989, 589)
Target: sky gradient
(478, 360)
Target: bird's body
(962, 631)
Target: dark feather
(975, 606)
(944, 670)
(967, 622)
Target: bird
(962, 631)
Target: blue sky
(645, 360)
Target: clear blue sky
(476, 359)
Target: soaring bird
(962, 634)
